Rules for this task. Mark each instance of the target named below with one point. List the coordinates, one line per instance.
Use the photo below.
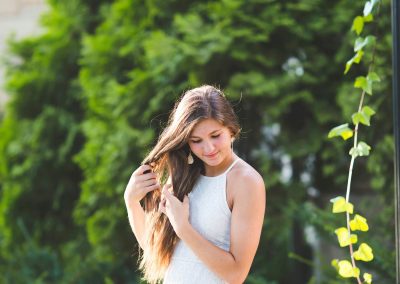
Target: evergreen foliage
(89, 97)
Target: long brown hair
(168, 159)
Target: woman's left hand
(176, 211)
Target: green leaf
(356, 59)
(362, 149)
(360, 117)
(363, 116)
(368, 111)
(361, 42)
(353, 152)
(365, 83)
(373, 77)
(361, 82)
(358, 44)
(358, 24)
(342, 130)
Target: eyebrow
(210, 133)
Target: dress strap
(231, 166)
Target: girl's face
(210, 141)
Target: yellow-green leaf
(358, 24)
(364, 253)
(368, 18)
(346, 270)
(358, 56)
(356, 59)
(344, 237)
(367, 278)
(342, 130)
(335, 263)
(359, 223)
(340, 205)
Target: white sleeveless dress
(211, 217)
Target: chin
(213, 162)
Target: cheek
(195, 147)
(220, 142)
(225, 141)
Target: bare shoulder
(244, 179)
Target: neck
(219, 169)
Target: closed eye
(212, 136)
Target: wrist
(132, 204)
(184, 230)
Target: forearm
(136, 218)
(220, 261)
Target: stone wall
(18, 17)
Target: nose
(209, 148)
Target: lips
(212, 155)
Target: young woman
(203, 205)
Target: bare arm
(136, 221)
(139, 185)
(246, 224)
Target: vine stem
(348, 191)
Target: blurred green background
(88, 97)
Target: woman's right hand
(140, 184)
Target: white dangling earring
(190, 158)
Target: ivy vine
(345, 235)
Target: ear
(232, 135)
